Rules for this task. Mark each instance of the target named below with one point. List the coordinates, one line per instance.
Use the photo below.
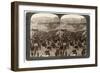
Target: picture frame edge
(14, 37)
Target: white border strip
(45, 63)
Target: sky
(48, 21)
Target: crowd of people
(58, 43)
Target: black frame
(14, 35)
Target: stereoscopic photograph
(51, 35)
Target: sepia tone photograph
(53, 36)
(56, 35)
